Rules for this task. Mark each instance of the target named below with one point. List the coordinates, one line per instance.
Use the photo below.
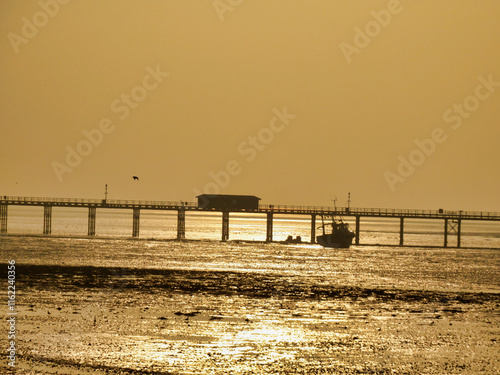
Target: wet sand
(83, 319)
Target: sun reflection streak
(268, 334)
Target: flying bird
(135, 178)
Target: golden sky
(397, 102)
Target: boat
(290, 239)
(340, 236)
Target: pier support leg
(451, 227)
(136, 221)
(269, 231)
(445, 232)
(357, 230)
(313, 228)
(92, 212)
(47, 219)
(181, 224)
(225, 226)
(3, 218)
(401, 230)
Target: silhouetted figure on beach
(135, 178)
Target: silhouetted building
(230, 202)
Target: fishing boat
(340, 235)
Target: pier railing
(387, 212)
(87, 202)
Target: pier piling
(445, 232)
(453, 226)
(357, 229)
(225, 225)
(91, 225)
(47, 219)
(136, 222)
(181, 224)
(269, 230)
(313, 228)
(3, 218)
(401, 230)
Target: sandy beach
(79, 319)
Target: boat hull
(335, 241)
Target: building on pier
(228, 202)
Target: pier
(452, 220)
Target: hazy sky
(397, 102)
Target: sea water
(245, 226)
(112, 304)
